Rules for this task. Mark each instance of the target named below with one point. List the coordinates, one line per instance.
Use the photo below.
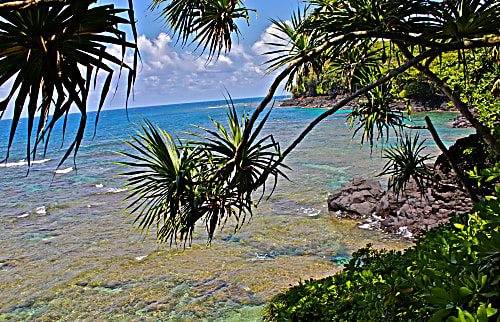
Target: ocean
(68, 254)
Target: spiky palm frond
(376, 115)
(52, 54)
(175, 186)
(346, 16)
(293, 42)
(258, 157)
(353, 64)
(162, 190)
(465, 19)
(209, 23)
(406, 162)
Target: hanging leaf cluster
(53, 54)
(174, 185)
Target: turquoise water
(68, 254)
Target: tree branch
(393, 73)
(453, 164)
(274, 86)
(483, 130)
(23, 4)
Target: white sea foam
(63, 171)
(259, 257)
(41, 210)
(365, 226)
(116, 190)
(310, 212)
(404, 232)
(99, 185)
(23, 216)
(21, 163)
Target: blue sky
(171, 74)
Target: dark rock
(406, 215)
(111, 284)
(357, 181)
(467, 152)
(364, 209)
(412, 213)
(356, 199)
(418, 104)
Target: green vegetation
(451, 274)
(374, 51)
(53, 51)
(185, 183)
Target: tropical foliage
(451, 274)
(368, 44)
(52, 52)
(406, 161)
(209, 23)
(176, 185)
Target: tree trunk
(482, 130)
(452, 162)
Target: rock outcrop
(412, 213)
(407, 215)
(357, 199)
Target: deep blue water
(68, 254)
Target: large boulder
(357, 199)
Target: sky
(170, 74)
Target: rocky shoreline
(421, 104)
(411, 214)
(433, 103)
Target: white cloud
(260, 47)
(167, 74)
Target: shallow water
(67, 253)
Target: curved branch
(393, 73)
(411, 62)
(277, 81)
(23, 4)
(453, 164)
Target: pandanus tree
(53, 52)
(413, 35)
(211, 179)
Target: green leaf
(464, 291)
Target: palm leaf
(41, 47)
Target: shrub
(451, 274)
(417, 88)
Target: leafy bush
(417, 88)
(451, 274)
